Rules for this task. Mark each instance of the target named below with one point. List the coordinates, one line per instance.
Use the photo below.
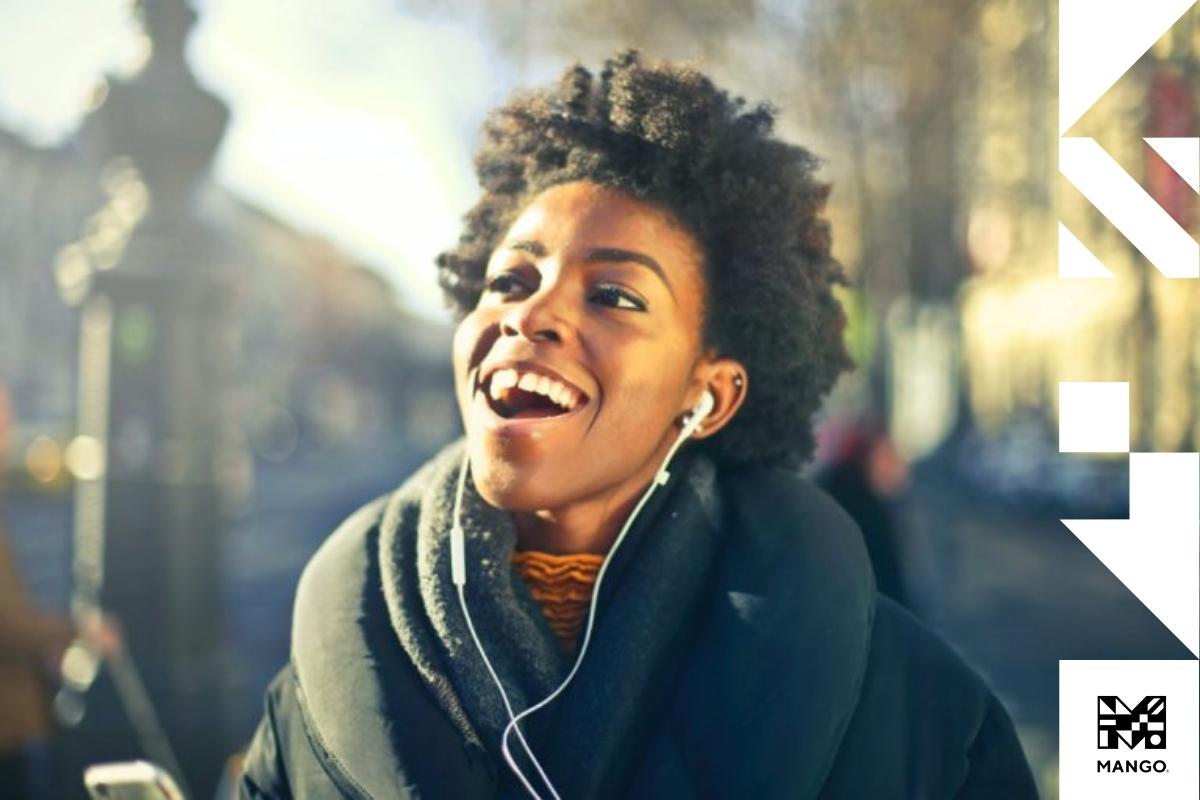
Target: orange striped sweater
(562, 586)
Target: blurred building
(1024, 328)
(940, 128)
(161, 341)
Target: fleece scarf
(587, 738)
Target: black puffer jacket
(740, 650)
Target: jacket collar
(793, 603)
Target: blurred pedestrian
(859, 466)
(32, 643)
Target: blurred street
(1015, 594)
(297, 506)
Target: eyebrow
(600, 255)
(534, 248)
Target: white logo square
(1089, 769)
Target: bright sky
(53, 53)
(349, 120)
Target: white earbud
(700, 412)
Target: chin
(510, 479)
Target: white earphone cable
(458, 571)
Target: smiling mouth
(520, 393)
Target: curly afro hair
(665, 134)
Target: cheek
(646, 397)
(460, 346)
(466, 338)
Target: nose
(539, 317)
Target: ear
(728, 381)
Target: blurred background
(220, 330)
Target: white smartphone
(130, 780)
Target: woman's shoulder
(808, 556)
(792, 546)
(928, 722)
(346, 547)
(908, 654)
(283, 760)
(343, 552)
(795, 581)
(344, 574)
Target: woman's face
(583, 352)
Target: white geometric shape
(1156, 552)
(1080, 749)
(1164, 486)
(1093, 417)
(1183, 154)
(1075, 260)
(1098, 40)
(1125, 204)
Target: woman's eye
(505, 283)
(616, 297)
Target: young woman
(646, 327)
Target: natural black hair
(665, 134)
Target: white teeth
(504, 379)
(562, 395)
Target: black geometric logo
(1143, 725)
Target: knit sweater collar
(562, 584)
